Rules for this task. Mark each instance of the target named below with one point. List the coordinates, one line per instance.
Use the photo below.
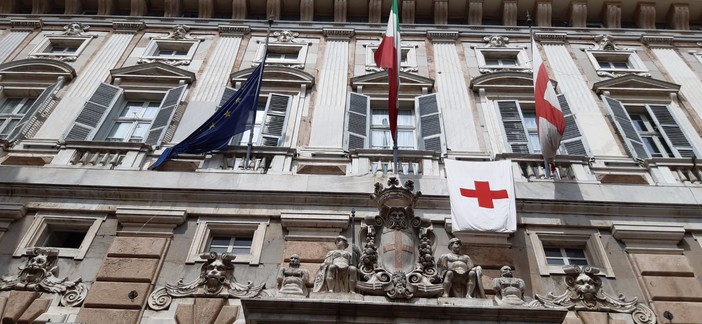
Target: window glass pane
(381, 139)
(491, 61)
(8, 107)
(552, 252)
(638, 122)
(534, 142)
(651, 146)
(405, 139)
(380, 117)
(529, 119)
(25, 106)
(575, 253)
(555, 261)
(64, 239)
(405, 117)
(577, 261)
(246, 250)
(620, 65)
(151, 110)
(244, 241)
(217, 249)
(133, 109)
(220, 240)
(140, 132)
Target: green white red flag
(388, 56)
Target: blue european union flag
(234, 117)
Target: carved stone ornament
(39, 274)
(285, 36)
(606, 43)
(585, 293)
(370, 62)
(508, 290)
(181, 32)
(337, 273)
(460, 278)
(216, 280)
(171, 62)
(75, 29)
(292, 281)
(397, 256)
(496, 41)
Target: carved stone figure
(585, 293)
(293, 280)
(39, 274)
(460, 276)
(216, 280)
(75, 29)
(496, 41)
(508, 290)
(337, 274)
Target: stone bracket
(149, 222)
(9, 213)
(127, 26)
(313, 226)
(649, 238)
(231, 30)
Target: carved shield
(397, 250)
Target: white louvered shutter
(670, 130)
(429, 123)
(94, 113)
(275, 120)
(358, 123)
(517, 138)
(572, 142)
(31, 116)
(165, 114)
(625, 127)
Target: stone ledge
(149, 222)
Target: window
(418, 124)
(613, 63)
(288, 54)
(132, 124)
(11, 112)
(649, 130)
(408, 58)
(71, 235)
(270, 125)
(501, 59)
(180, 51)
(243, 238)
(553, 249)
(61, 48)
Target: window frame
(42, 50)
(521, 58)
(5, 118)
(409, 64)
(635, 64)
(206, 228)
(505, 137)
(409, 105)
(587, 239)
(135, 121)
(298, 62)
(42, 223)
(155, 45)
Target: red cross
(484, 194)
(544, 109)
(398, 246)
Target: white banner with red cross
(482, 196)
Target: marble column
(408, 11)
(543, 13)
(340, 10)
(612, 15)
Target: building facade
(91, 93)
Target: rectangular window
(230, 244)
(519, 124)
(380, 128)
(260, 117)
(169, 50)
(554, 249)
(70, 235)
(62, 48)
(133, 122)
(11, 112)
(565, 256)
(613, 63)
(243, 238)
(501, 59)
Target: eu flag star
(212, 126)
(227, 114)
(238, 100)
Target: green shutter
(93, 113)
(670, 130)
(357, 127)
(626, 129)
(32, 116)
(165, 114)
(517, 138)
(275, 119)
(572, 141)
(429, 123)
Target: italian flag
(388, 56)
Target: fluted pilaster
(408, 11)
(340, 10)
(475, 12)
(205, 8)
(73, 7)
(173, 8)
(8, 6)
(106, 7)
(306, 10)
(239, 9)
(578, 13)
(543, 13)
(273, 9)
(374, 13)
(441, 12)
(679, 16)
(612, 15)
(509, 12)
(646, 15)
(11, 41)
(139, 8)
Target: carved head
(294, 261)
(39, 265)
(506, 272)
(341, 243)
(217, 270)
(75, 28)
(496, 41)
(583, 282)
(455, 245)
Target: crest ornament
(75, 29)
(286, 36)
(216, 280)
(585, 292)
(39, 274)
(606, 43)
(496, 41)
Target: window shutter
(429, 123)
(275, 117)
(357, 127)
(626, 129)
(228, 93)
(94, 112)
(517, 138)
(572, 142)
(31, 116)
(670, 130)
(165, 114)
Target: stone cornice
(233, 31)
(313, 226)
(26, 24)
(551, 38)
(657, 40)
(649, 238)
(9, 213)
(442, 35)
(338, 33)
(124, 26)
(149, 221)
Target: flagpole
(249, 147)
(547, 170)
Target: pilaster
(173, 8)
(106, 7)
(475, 12)
(646, 15)
(41, 7)
(440, 12)
(138, 8)
(543, 13)
(612, 15)
(239, 9)
(21, 28)
(374, 8)
(679, 16)
(509, 12)
(578, 13)
(273, 9)
(8, 6)
(340, 10)
(306, 10)
(408, 11)
(73, 7)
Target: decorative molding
(679, 16)
(338, 33)
(75, 29)
(649, 238)
(550, 38)
(442, 35)
(233, 31)
(606, 43)
(286, 36)
(646, 15)
(9, 213)
(657, 40)
(149, 222)
(26, 24)
(509, 12)
(544, 11)
(612, 14)
(578, 13)
(127, 26)
(180, 32)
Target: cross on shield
(397, 251)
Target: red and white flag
(388, 56)
(550, 122)
(482, 196)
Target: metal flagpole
(249, 147)
(354, 257)
(547, 170)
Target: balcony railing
(675, 171)
(380, 162)
(567, 168)
(262, 160)
(107, 155)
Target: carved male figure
(336, 274)
(460, 277)
(293, 280)
(508, 290)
